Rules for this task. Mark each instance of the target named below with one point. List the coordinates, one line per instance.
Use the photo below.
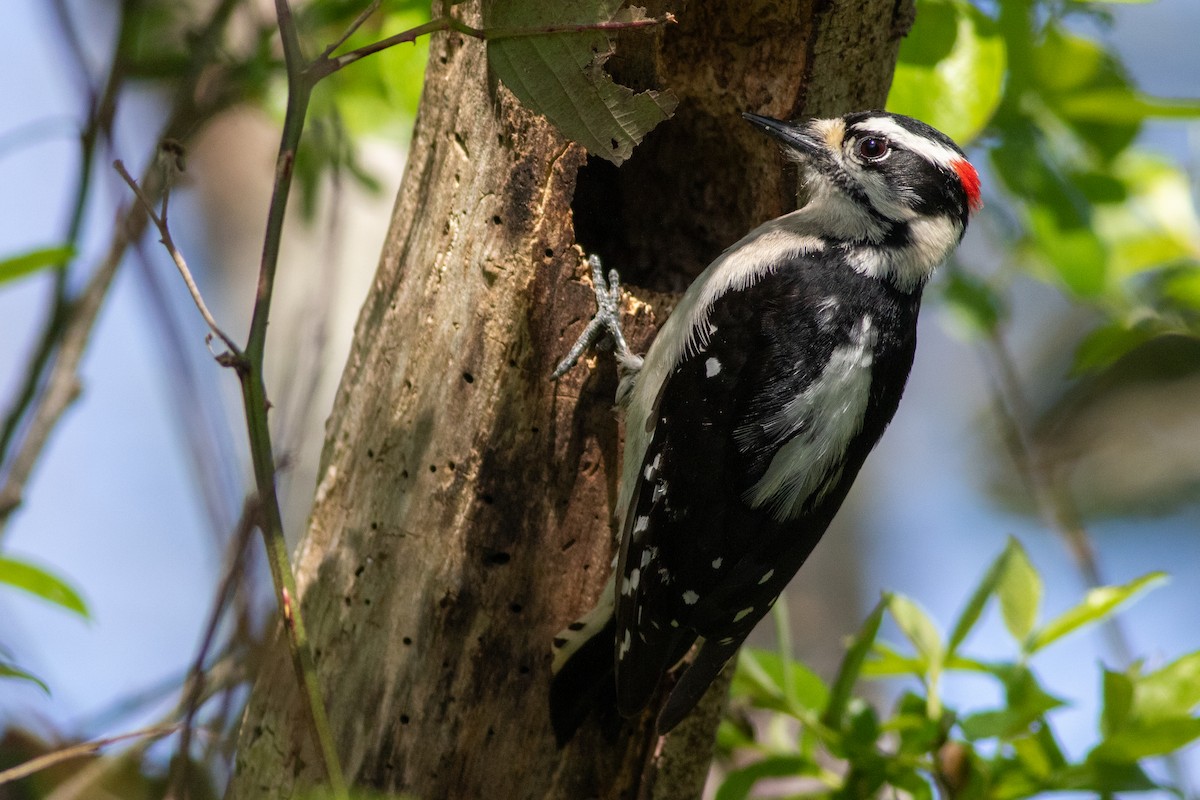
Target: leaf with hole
(561, 74)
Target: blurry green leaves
(40, 583)
(1087, 210)
(951, 69)
(27, 263)
(836, 739)
(561, 75)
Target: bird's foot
(605, 323)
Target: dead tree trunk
(463, 510)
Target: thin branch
(325, 64)
(35, 765)
(366, 14)
(176, 256)
(195, 684)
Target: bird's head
(883, 180)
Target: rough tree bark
(462, 515)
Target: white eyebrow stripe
(926, 148)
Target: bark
(464, 505)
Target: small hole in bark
(370, 453)
(524, 670)
(346, 600)
(366, 601)
(404, 474)
(468, 377)
(496, 558)
(535, 429)
(451, 465)
(404, 719)
(496, 220)
(487, 498)
(433, 467)
(374, 527)
(360, 569)
(407, 640)
(516, 608)
(549, 252)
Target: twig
(35, 765)
(326, 64)
(194, 686)
(176, 256)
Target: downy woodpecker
(757, 403)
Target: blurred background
(1055, 398)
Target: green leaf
(1097, 605)
(852, 665)
(1170, 692)
(1019, 589)
(1075, 252)
(561, 75)
(1104, 346)
(917, 627)
(951, 69)
(978, 600)
(19, 266)
(976, 309)
(759, 677)
(41, 583)
(1102, 777)
(1118, 701)
(1137, 741)
(739, 783)
(11, 671)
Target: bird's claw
(606, 322)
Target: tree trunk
(463, 512)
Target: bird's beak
(797, 137)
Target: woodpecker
(757, 403)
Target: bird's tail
(583, 668)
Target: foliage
(847, 747)
(40, 583)
(1057, 115)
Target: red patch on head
(970, 182)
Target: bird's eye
(873, 148)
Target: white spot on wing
(741, 615)
(625, 642)
(716, 564)
(766, 577)
(690, 597)
(641, 524)
(635, 577)
(712, 368)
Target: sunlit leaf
(1019, 590)
(916, 625)
(561, 75)
(27, 263)
(1172, 691)
(1097, 605)
(951, 69)
(1141, 740)
(39, 582)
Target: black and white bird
(757, 403)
